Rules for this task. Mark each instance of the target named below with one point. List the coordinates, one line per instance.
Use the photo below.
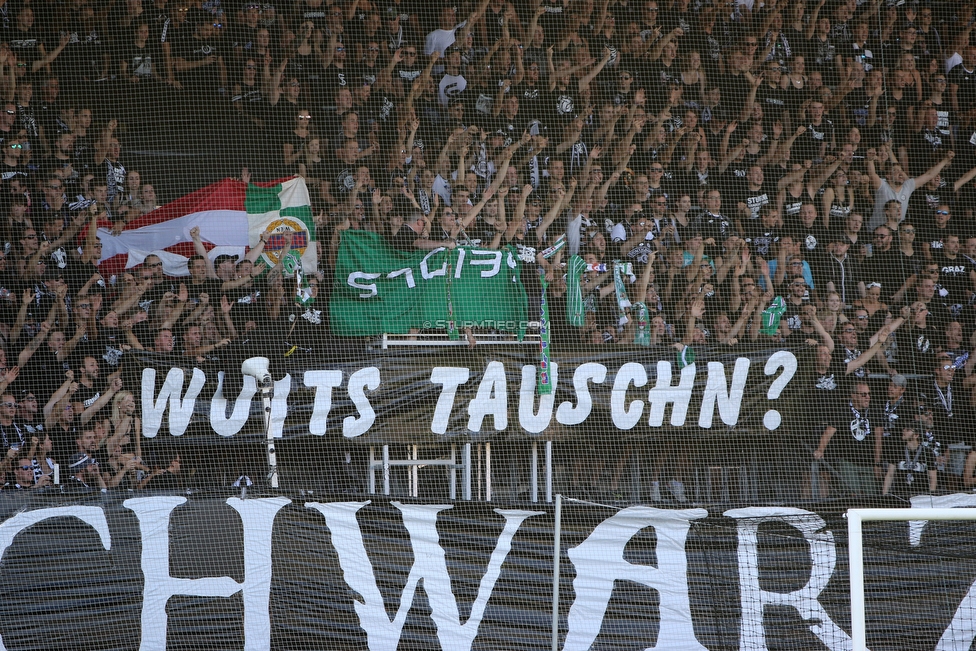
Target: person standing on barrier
(911, 465)
(846, 443)
(890, 416)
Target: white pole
(414, 474)
(856, 563)
(549, 471)
(534, 488)
(452, 472)
(466, 473)
(556, 545)
(487, 472)
(386, 469)
(269, 437)
(855, 552)
(371, 480)
(478, 466)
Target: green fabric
(259, 199)
(267, 203)
(574, 293)
(550, 251)
(544, 375)
(642, 332)
(385, 304)
(619, 270)
(686, 356)
(771, 316)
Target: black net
(689, 255)
(901, 559)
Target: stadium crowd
(670, 173)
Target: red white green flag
(231, 216)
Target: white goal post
(856, 553)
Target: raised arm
(876, 180)
(934, 170)
(555, 211)
(584, 82)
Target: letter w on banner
(231, 216)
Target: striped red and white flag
(231, 216)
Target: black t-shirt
(141, 62)
(480, 104)
(660, 78)
(107, 348)
(246, 305)
(889, 268)
(318, 16)
(951, 417)
(84, 56)
(954, 275)
(25, 44)
(813, 242)
(810, 143)
(927, 232)
(792, 316)
(512, 128)
(772, 99)
(966, 80)
(562, 107)
(911, 465)
(923, 202)
(403, 239)
(820, 56)
(925, 148)
(114, 175)
(252, 102)
(243, 36)
(755, 199)
(916, 349)
(858, 105)
(86, 396)
(59, 259)
(341, 175)
(532, 101)
(854, 439)
(735, 89)
(159, 23)
(407, 75)
(715, 226)
(10, 172)
(761, 238)
(829, 388)
(334, 79)
(845, 355)
(210, 287)
(791, 207)
(192, 50)
(363, 73)
(891, 416)
(13, 435)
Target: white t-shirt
(953, 61)
(442, 187)
(450, 86)
(618, 233)
(440, 39)
(886, 193)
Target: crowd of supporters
(669, 173)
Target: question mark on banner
(787, 361)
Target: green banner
(379, 289)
